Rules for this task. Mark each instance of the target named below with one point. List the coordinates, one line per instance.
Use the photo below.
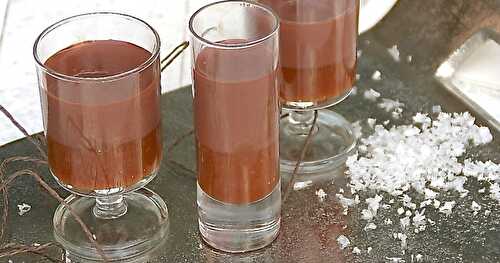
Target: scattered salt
(347, 202)
(429, 194)
(475, 206)
(354, 91)
(373, 206)
(369, 249)
(356, 251)
(357, 129)
(321, 195)
(302, 185)
(423, 156)
(401, 211)
(487, 212)
(371, 122)
(386, 122)
(482, 190)
(402, 237)
(419, 218)
(23, 209)
(371, 94)
(395, 160)
(409, 58)
(419, 257)
(358, 77)
(395, 259)
(404, 222)
(394, 52)
(370, 226)
(390, 105)
(436, 109)
(447, 207)
(343, 241)
(495, 191)
(425, 203)
(377, 75)
(393, 106)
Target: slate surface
(427, 30)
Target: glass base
(239, 228)
(140, 230)
(331, 143)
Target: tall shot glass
(236, 108)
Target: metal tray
(468, 92)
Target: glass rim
(154, 54)
(257, 41)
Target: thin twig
(5, 195)
(21, 128)
(182, 166)
(10, 250)
(171, 148)
(290, 184)
(173, 55)
(54, 194)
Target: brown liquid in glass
(236, 118)
(317, 48)
(102, 134)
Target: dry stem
(290, 184)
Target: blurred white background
(25, 19)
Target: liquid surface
(317, 48)
(236, 120)
(102, 134)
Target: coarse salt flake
(321, 195)
(371, 95)
(23, 209)
(343, 241)
(377, 75)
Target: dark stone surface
(428, 30)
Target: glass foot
(331, 143)
(239, 228)
(140, 230)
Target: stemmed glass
(318, 69)
(99, 82)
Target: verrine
(236, 112)
(100, 96)
(317, 70)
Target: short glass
(318, 70)
(236, 111)
(99, 83)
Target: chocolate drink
(102, 134)
(317, 48)
(236, 119)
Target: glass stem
(110, 207)
(300, 122)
